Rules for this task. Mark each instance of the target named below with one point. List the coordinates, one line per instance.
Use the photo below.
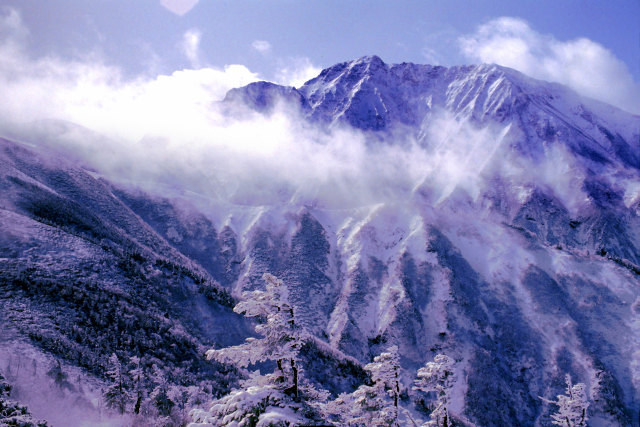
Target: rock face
(530, 273)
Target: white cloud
(97, 96)
(191, 46)
(261, 46)
(582, 64)
(179, 7)
(167, 133)
(296, 72)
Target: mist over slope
(467, 210)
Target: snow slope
(516, 251)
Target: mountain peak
(355, 69)
(263, 96)
(370, 95)
(370, 60)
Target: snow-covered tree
(116, 395)
(160, 394)
(385, 370)
(370, 406)
(279, 398)
(12, 413)
(136, 377)
(338, 411)
(258, 403)
(181, 396)
(438, 377)
(375, 404)
(572, 406)
(281, 338)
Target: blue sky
(140, 36)
(57, 50)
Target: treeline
(92, 322)
(87, 322)
(152, 395)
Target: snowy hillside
(471, 211)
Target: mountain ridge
(524, 269)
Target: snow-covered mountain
(516, 251)
(371, 95)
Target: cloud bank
(582, 64)
(168, 132)
(169, 135)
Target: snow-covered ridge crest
(370, 95)
(467, 127)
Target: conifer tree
(438, 377)
(281, 340)
(338, 411)
(116, 395)
(572, 406)
(160, 393)
(272, 399)
(376, 404)
(385, 370)
(59, 376)
(136, 377)
(368, 406)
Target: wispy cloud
(582, 64)
(261, 46)
(191, 46)
(296, 71)
(11, 25)
(439, 46)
